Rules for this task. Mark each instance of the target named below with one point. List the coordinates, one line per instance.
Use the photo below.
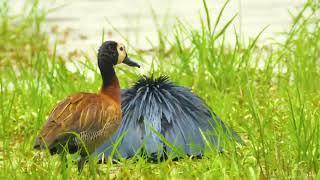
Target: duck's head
(111, 52)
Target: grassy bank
(269, 93)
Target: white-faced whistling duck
(154, 107)
(93, 116)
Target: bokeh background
(138, 21)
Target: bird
(83, 121)
(162, 119)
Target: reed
(269, 92)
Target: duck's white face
(122, 54)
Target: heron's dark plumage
(154, 107)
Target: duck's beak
(129, 62)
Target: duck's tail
(160, 118)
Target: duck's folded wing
(163, 118)
(82, 113)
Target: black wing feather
(154, 106)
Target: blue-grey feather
(157, 106)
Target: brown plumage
(92, 116)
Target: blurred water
(86, 19)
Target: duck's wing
(163, 118)
(83, 113)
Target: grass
(269, 93)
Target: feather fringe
(161, 118)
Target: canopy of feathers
(161, 118)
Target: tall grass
(269, 93)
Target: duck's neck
(110, 83)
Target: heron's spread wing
(162, 118)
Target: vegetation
(269, 93)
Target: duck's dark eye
(121, 48)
